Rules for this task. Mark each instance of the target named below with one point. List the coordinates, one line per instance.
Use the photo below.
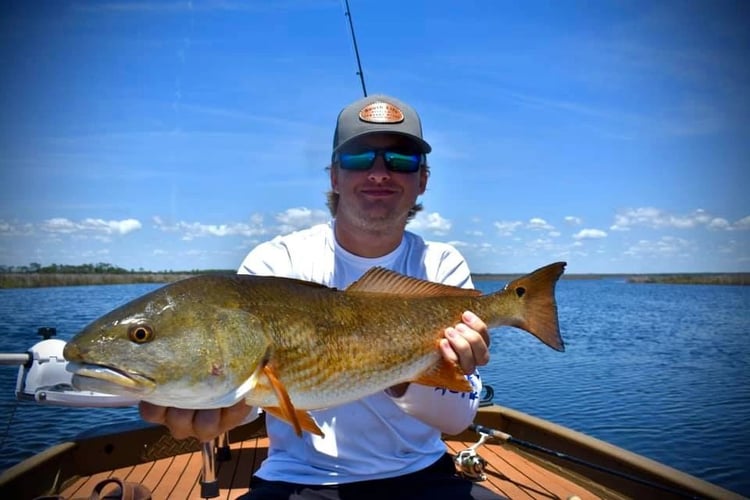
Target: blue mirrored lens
(395, 162)
(402, 163)
(359, 161)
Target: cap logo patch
(381, 112)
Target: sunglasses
(395, 162)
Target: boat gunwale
(120, 445)
(544, 433)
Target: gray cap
(378, 113)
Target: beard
(374, 219)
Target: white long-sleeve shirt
(377, 436)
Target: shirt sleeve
(268, 259)
(448, 411)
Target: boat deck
(508, 473)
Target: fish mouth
(107, 379)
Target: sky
(173, 135)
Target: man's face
(377, 198)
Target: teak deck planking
(508, 473)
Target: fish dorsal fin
(385, 281)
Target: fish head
(186, 345)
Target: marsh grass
(694, 279)
(665, 278)
(36, 280)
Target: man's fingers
(180, 422)
(152, 413)
(234, 415)
(461, 348)
(472, 321)
(206, 424)
(202, 424)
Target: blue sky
(172, 135)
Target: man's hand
(202, 424)
(467, 343)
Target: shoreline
(43, 280)
(40, 280)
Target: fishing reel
(469, 463)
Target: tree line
(99, 268)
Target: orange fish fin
(286, 408)
(305, 420)
(445, 374)
(381, 280)
(535, 293)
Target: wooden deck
(508, 473)
(581, 467)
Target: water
(661, 370)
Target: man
(386, 444)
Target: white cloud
(60, 225)
(474, 232)
(432, 222)
(543, 244)
(665, 246)
(112, 226)
(657, 219)
(14, 229)
(743, 223)
(538, 224)
(719, 223)
(573, 221)
(589, 234)
(287, 221)
(192, 230)
(294, 219)
(506, 228)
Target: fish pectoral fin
(445, 374)
(301, 418)
(285, 411)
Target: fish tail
(533, 304)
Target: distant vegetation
(34, 267)
(674, 279)
(36, 275)
(694, 279)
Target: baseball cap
(378, 113)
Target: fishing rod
(361, 75)
(507, 438)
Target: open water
(661, 370)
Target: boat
(508, 451)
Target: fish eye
(140, 334)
